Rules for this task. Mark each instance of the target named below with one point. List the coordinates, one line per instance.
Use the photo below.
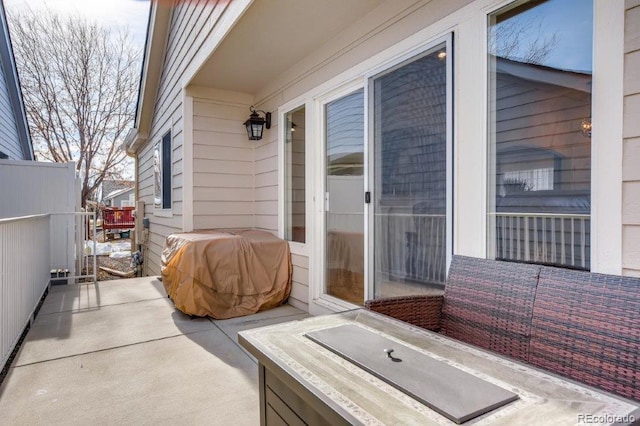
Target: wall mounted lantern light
(255, 124)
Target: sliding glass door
(410, 106)
(388, 208)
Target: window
(162, 173)
(3, 156)
(294, 176)
(539, 193)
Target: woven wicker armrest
(423, 311)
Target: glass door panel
(411, 175)
(344, 199)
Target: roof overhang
(157, 33)
(133, 141)
(576, 80)
(271, 37)
(254, 43)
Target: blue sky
(572, 23)
(133, 14)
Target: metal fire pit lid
(454, 393)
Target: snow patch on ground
(116, 250)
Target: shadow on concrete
(222, 341)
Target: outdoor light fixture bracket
(256, 124)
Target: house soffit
(274, 35)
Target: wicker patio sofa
(577, 324)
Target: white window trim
(607, 137)
(163, 213)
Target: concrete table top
(363, 398)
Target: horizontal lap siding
(223, 166)
(191, 22)
(266, 180)
(631, 150)
(9, 140)
(546, 116)
(300, 287)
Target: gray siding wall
(9, 141)
(631, 156)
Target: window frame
(607, 120)
(165, 148)
(297, 248)
(286, 168)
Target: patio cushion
(489, 304)
(586, 326)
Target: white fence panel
(24, 275)
(31, 188)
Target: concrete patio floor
(118, 352)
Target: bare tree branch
(522, 40)
(79, 82)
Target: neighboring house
(15, 140)
(110, 187)
(400, 135)
(120, 198)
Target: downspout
(131, 144)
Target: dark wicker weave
(581, 325)
(423, 311)
(486, 303)
(489, 304)
(586, 326)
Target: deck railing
(550, 238)
(80, 262)
(414, 243)
(413, 246)
(27, 266)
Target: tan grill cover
(226, 274)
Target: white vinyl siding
(631, 153)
